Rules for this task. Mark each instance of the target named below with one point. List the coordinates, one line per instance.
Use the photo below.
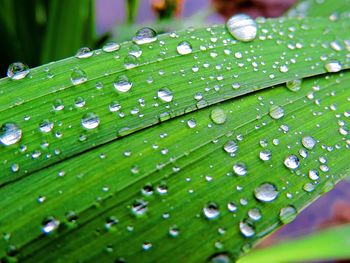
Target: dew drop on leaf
(110, 47)
(291, 162)
(90, 121)
(49, 225)
(10, 134)
(265, 155)
(230, 147)
(78, 76)
(211, 210)
(130, 61)
(276, 112)
(135, 50)
(254, 214)
(287, 214)
(240, 169)
(165, 95)
(266, 192)
(308, 142)
(17, 70)
(139, 207)
(191, 123)
(145, 35)
(218, 116)
(184, 48)
(313, 175)
(46, 126)
(242, 27)
(174, 231)
(294, 85)
(246, 228)
(84, 52)
(333, 66)
(122, 84)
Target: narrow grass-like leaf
(285, 49)
(186, 169)
(329, 244)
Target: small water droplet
(276, 112)
(139, 207)
(146, 246)
(49, 225)
(308, 187)
(242, 27)
(266, 192)
(184, 48)
(17, 70)
(291, 162)
(122, 84)
(230, 147)
(114, 106)
(333, 66)
(191, 123)
(165, 95)
(10, 134)
(308, 142)
(78, 76)
(110, 47)
(135, 50)
(174, 231)
(246, 228)
(287, 214)
(313, 175)
(240, 169)
(294, 85)
(130, 61)
(90, 121)
(265, 155)
(211, 210)
(84, 52)
(144, 36)
(284, 68)
(46, 126)
(254, 214)
(218, 116)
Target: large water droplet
(17, 70)
(78, 76)
(242, 27)
(266, 192)
(10, 133)
(211, 210)
(130, 61)
(240, 169)
(246, 228)
(230, 147)
(165, 95)
(122, 84)
(265, 155)
(84, 52)
(276, 112)
(145, 35)
(287, 214)
(291, 162)
(254, 214)
(184, 48)
(308, 142)
(90, 121)
(218, 116)
(333, 66)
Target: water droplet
(313, 175)
(139, 207)
(308, 187)
(254, 214)
(184, 48)
(110, 47)
(165, 95)
(218, 116)
(10, 133)
(135, 50)
(291, 162)
(220, 258)
(232, 207)
(246, 228)
(17, 70)
(294, 85)
(78, 76)
(283, 68)
(84, 52)
(90, 121)
(191, 123)
(242, 27)
(230, 147)
(287, 214)
(122, 84)
(174, 231)
(211, 210)
(49, 225)
(79, 102)
(266, 192)
(240, 169)
(276, 112)
(333, 66)
(265, 155)
(146, 245)
(46, 126)
(308, 142)
(114, 106)
(130, 61)
(145, 35)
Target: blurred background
(39, 31)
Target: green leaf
(329, 244)
(146, 193)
